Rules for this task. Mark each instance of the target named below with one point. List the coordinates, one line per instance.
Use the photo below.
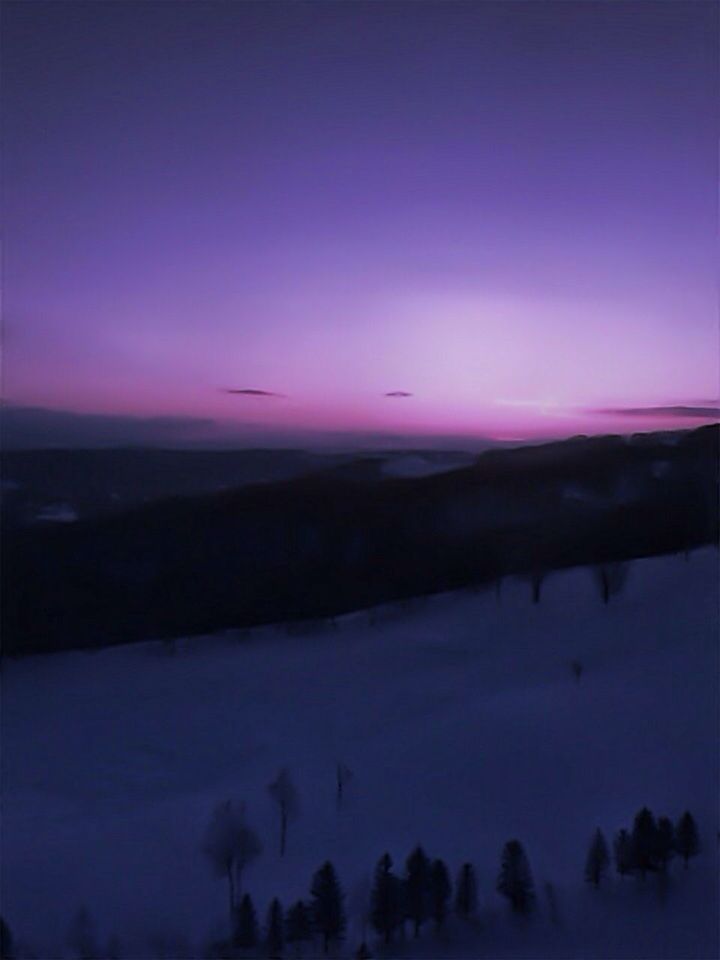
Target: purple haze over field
(478, 219)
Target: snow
(462, 723)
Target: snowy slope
(462, 722)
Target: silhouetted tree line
(423, 893)
(647, 848)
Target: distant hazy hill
(348, 536)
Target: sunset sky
(506, 210)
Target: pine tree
(274, 939)
(327, 910)
(466, 891)
(298, 925)
(687, 841)
(515, 879)
(624, 854)
(598, 859)
(645, 841)
(386, 899)
(440, 890)
(417, 888)
(665, 841)
(246, 927)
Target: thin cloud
(251, 392)
(398, 393)
(681, 411)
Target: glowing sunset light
(305, 219)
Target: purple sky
(507, 210)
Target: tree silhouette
(687, 841)
(386, 899)
(246, 928)
(327, 908)
(515, 879)
(230, 845)
(665, 841)
(466, 891)
(417, 888)
(645, 842)
(624, 855)
(598, 859)
(283, 792)
(298, 924)
(274, 933)
(440, 890)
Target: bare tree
(230, 845)
(283, 792)
(611, 579)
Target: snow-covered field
(464, 727)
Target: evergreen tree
(440, 890)
(327, 910)
(274, 938)
(687, 841)
(598, 859)
(466, 891)
(298, 925)
(624, 855)
(417, 888)
(246, 926)
(645, 842)
(515, 879)
(665, 841)
(386, 899)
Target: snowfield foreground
(464, 727)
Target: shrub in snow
(598, 859)
(274, 931)
(417, 888)
(440, 890)
(466, 891)
(515, 879)
(328, 913)
(343, 776)
(386, 899)
(283, 792)
(687, 841)
(230, 845)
